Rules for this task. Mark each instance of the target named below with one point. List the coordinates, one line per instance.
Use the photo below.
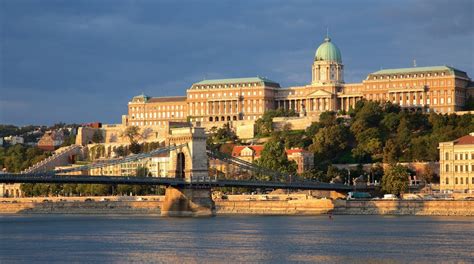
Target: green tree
(264, 125)
(391, 152)
(329, 142)
(274, 157)
(395, 180)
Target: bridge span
(174, 182)
(189, 181)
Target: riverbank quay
(149, 205)
(242, 206)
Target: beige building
(457, 164)
(304, 159)
(157, 166)
(240, 101)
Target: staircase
(59, 158)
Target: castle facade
(208, 103)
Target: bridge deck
(42, 178)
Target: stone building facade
(210, 103)
(457, 164)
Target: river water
(228, 239)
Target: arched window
(447, 167)
(462, 180)
(456, 181)
(447, 180)
(210, 119)
(446, 156)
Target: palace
(241, 101)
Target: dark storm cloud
(78, 61)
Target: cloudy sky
(81, 61)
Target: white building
(13, 140)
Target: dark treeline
(40, 189)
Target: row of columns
(223, 107)
(347, 102)
(310, 104)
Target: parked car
(390, 197)
(358, 195)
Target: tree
(469, 105)
(327, 118)
(135, 148)
(274, 157)
(132, 133)
(329, 142)
(391, 152)
(221, 135)
(120, 151)
(264, 125)
(142, 172)
(97, 137)
(395, 180)
(429, 175)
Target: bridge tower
(190, 163)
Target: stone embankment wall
(291, 207)
(404, 207)
(79, 205)
(242, 207)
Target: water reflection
(276, 239)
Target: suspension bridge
(189, 180)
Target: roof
(167, 99)
(257, 79)
(256, 148)
(421, 69)
(298, 150)
(466, 140)
(327, 51)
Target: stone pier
(188, 202)
(189, 163)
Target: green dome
(328, 52)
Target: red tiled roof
(466, 140)
(291, 151)
(237, 149)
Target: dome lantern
(327, 51)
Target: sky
(82, 61)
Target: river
(269, 239)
